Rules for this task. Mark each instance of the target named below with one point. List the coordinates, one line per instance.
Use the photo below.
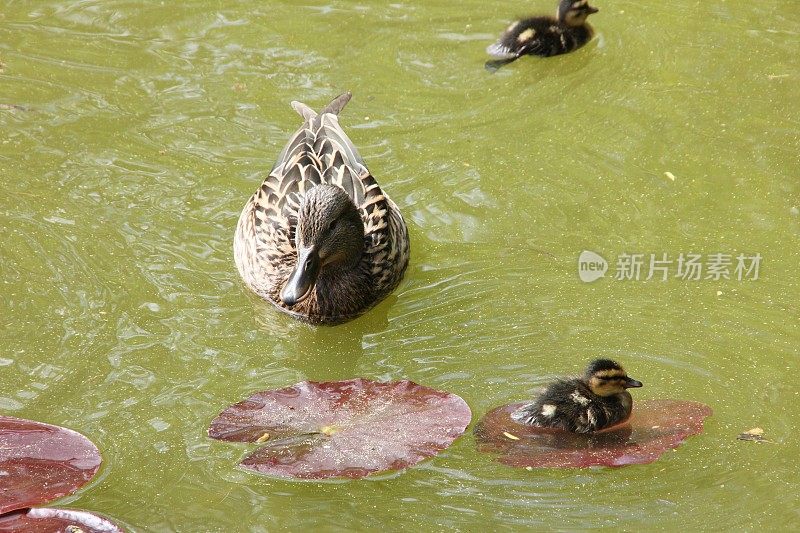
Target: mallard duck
(319, 239)
(544, 36)
(595, 401)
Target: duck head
(607, 378)
(329, 235)
(574, 12)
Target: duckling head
(574, 12)
(607, 378)
(329, 236)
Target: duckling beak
(591, 10)
(631, 383)
(302, 278)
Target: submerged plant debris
(40, 462)
(347, 428)
(754, 435)
(654, 427)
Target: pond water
(131, 135)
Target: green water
(141, 129)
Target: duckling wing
(520, 38)
(568, 405)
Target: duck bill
(302, 278)
(631, 383)
(591, 10)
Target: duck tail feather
(500, 50)
(337, 104)
(334, 107)
(303, 110)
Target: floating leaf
(654, 427)
(344, 428)
(62, 520)
(40, 462)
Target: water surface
(131, 134)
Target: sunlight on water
(131, 137)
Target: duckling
(595, 401)
(320, 239)
(544, 36)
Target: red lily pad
(347, 428)
(47, 520)
(654, 427)
(40, 462)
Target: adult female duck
(319, 239)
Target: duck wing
(319, 152)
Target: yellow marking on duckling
(611, 374)
(548, 410)
(263, 438)
(512, 26)
(526, 35)
(510, 436)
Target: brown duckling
(595, 401)
(544, 36)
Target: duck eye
(332, 225)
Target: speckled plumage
(575, 405)
(264, 246)
(545, 36)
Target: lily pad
(46, 520)
(654, 427)
(347, 428)
(40, 462)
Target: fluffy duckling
(595, 401)
(544, 36)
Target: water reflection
(338, 349)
